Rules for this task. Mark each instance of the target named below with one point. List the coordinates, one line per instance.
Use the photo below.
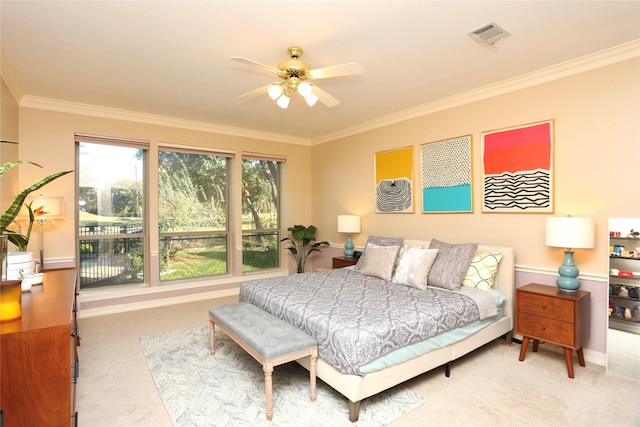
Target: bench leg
(268, 387)
(212, 337)
(312, 373)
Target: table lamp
(54, 208)
(569, 233)
(348, 224)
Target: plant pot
(10, 300)
(19, 264)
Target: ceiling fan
(294, 74)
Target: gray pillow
(414, 267)
(379, 261)
(379, 241)
(451, 264)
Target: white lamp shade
(54, 206)
(570, 232)
(283, 101)
(311, 100)
(275, 90)
(348, 224)
(304, 89)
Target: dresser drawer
(546, 329)
(545, 306)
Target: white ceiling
(172, 58)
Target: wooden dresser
(39, 361)
(545, 313)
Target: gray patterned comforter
(356, 318)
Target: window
(192, 231)
(260, 213)
(193, 214)
(111, 200)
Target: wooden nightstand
(545, 313)
(341, 261)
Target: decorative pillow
(402, 251)
(451, 264)
(482, 271)
(379, 241)
(414, 267)
(379, 261)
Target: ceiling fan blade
(258, 91)
(255, 64)
(348, 69)
(324, 97)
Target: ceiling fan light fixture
(275, 90)
(283, 101)
(304, 89)
(294, 72)
(311, 100)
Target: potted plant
(300, 244)
(12, 211)
(10, 304)
(22, 240)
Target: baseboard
(590, 356)
(162, 302)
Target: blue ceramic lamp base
(348, 247)
(568, 271)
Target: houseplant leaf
(12, 211)
(299, 244)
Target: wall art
(447, 183)
(394, 181)
(518, 169)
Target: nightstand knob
(544, 307)
(544, 328)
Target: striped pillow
(451, 264)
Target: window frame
(229, 156)
(281, 161)
(143, 145)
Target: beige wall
(8, 152)
(597, 152)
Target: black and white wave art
(520, 191)
(394, 195)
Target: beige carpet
(489, 387)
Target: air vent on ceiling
(489, 33)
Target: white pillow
(379, 241)
(413, 268)
(379, 261)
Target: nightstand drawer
(340, 262)
(541, 305)
(546, 329)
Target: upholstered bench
(270, 340)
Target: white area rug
(227, 389)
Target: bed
(382, 333)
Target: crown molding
(9, 77)
(29, 101)
(583, 64)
